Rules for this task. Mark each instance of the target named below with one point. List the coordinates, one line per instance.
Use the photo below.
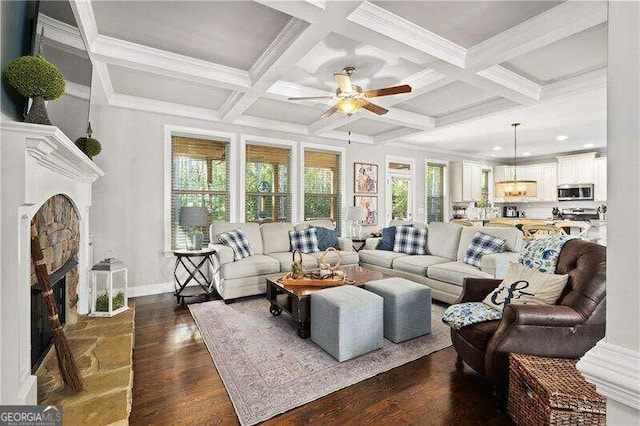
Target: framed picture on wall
(371, 206)
(366, 178)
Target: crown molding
(77, 90)
(615, 371)
(59, 31)
(161, 107)
(86, 20)
(511, 80)
(485, 109)
(586, 82)
(283, 41)
(382, 21)
(394, 135)
(143, 58)
(557, 23)
(309, 11)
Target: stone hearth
(103, 350)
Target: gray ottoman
(346, 321)
(407, 308)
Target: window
(434, 188)
(267, 184)
(199, 177)
(400, 175)
(322, 177)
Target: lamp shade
(194, 216)
(356, 213)
(517, 188)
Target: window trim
(343, 184)
(276, 143)
(389, 174)
(172, 130)
(445, 188)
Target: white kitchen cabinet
(466, 181)
(578, 168)
(548, 183)
(600, 182)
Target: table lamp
(193, 218)
(356, 215)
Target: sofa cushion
(380, 258)
(388, 239)
(326, 238)
(275, 237)
(238, 242)
(417, 264)
(250, 229)
(512, 235)
(348, 257)
(410, 240)
(480, 245)
(250, 267)
(285, 259)
(443, 239)
(305, 241)
(398, 222)
(455, 272)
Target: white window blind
(434, 188)
(267, 184)
(323, 176)
(200, 178)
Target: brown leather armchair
(565, 330)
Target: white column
(614, 364)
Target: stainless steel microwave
(574, 192)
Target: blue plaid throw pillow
(480, 245)
(305, 240)
(238, 242)
(410, 240)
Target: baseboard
(150, 289)
(615, 371)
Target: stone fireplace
(41, 169)
(59, 234)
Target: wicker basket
(550, 391)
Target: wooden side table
(196, 272)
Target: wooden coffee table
(296, 301)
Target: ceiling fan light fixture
(349, 106)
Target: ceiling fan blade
(344, 82)
(395, 90)
(329, 112)
(309, 98)
(376, 109)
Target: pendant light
(515, 187)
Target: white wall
(127, 213)
(614, 364)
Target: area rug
(267, 369)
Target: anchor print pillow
(524, 285)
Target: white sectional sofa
(442, 268)
(271, 245)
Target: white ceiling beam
(344, 136)
(77, 90)
(511, 80)
(484, 109)
(143, 58)
(161, 107)
(60, 32)
(593, 80)
(402, 117)
(305, 10)
(382, 21)
(396, 134)
(86, 21)
(324, 125)
(562, 21)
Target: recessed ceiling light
(562, 137)
(493, 155)
(497, 148)
(526, 154)
(589, 145)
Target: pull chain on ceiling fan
(351, 98)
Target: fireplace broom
(66, 362)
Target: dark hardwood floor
(176, 382)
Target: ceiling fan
(350, 97)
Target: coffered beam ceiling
(442, 61)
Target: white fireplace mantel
(36, 163)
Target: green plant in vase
(90, 146)
(36, 78)
(102, 302)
